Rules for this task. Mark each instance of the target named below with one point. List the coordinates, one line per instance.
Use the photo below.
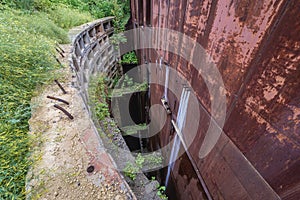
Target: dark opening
(141, 12)
(148, 12)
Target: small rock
(150, 187)
(56, 194)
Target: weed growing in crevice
(131, 169)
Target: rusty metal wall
(256, 46)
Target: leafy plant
(129, 58)
(153, 160)
(161, 192)
(100, 104)
(127, 82)
(130, 171)
(139, 161)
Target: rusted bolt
(61, 87)
(64, 111)
(58, 99)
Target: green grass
(67, 18)
(26, 59)
(34, 24)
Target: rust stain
(256, 47)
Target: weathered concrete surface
(65, 148)
(256, 47)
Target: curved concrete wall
(92, 53)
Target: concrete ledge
(92, 53)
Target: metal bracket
(166, 105)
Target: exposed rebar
(58, 99)
(60, 52)
(60, 86)
(61, 49)
(58, 61)
(64, 111)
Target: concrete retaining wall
(93, 53)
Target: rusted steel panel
(273, 92)
(232, 34)
(268, 111)
(133, 10)
(272, 153)
(238, 174)
(186, 180)
(256, 47)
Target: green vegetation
(139, 160)
(131, 130)
(127, 85)
(148, 161)
(153, 160)
(69, 13)
(99, 99)
(67, 18)
(98, 9)
(161, 192)
(29, 31)
(25, 61)
(132, 169)
(129, 58)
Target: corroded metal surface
(256, 47)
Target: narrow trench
(139, 103)
(134, 134)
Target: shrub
(66, 17)
(40, 24)
(129, 58)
